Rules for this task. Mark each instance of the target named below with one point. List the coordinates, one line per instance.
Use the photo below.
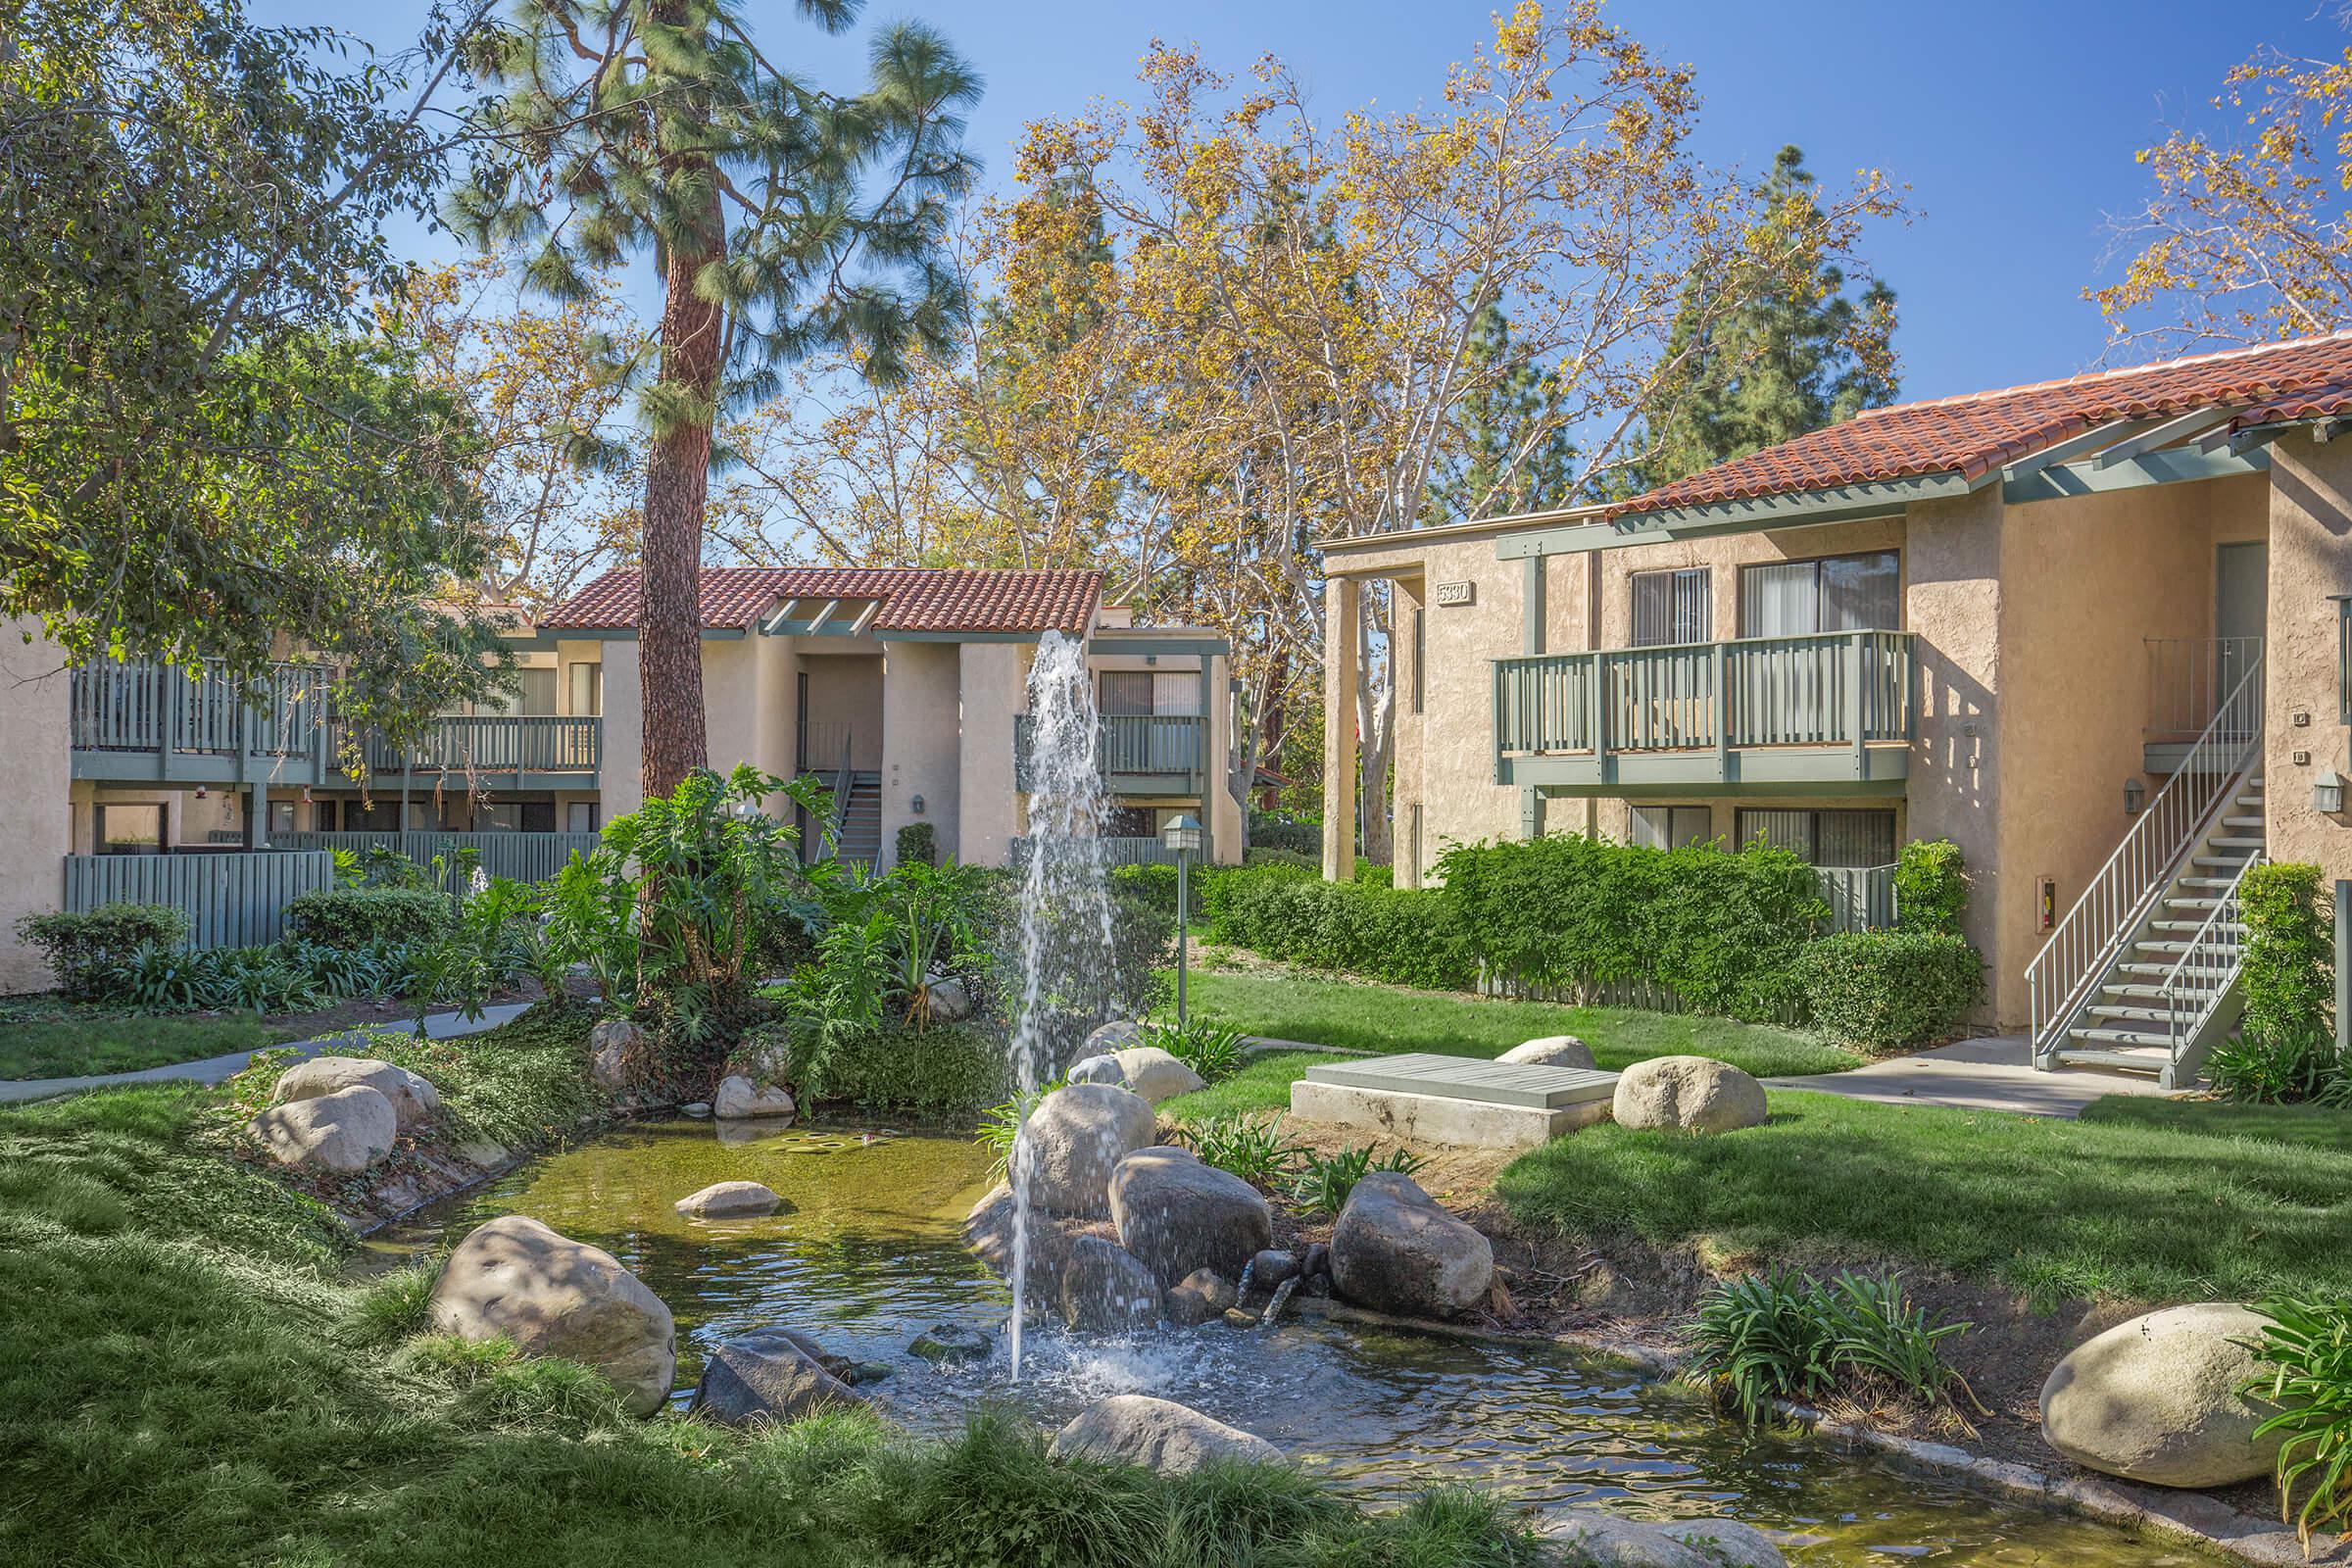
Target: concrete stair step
(2176, 949)
(2234, 842)
(2154, 993)
(2129, 1061)
(2256, 820)
(2192, 927)
(2221, 862)
(2218, 884)
(2123, 1036)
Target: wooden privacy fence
(233, 900)
(521, 857)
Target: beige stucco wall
(846, 687)
(991, 687)
(2309, 516)
(921, 742)
(619, 785)
(35, 777)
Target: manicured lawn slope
(70, 1046)
(2310, 1126)
(184, 1381)
(2053, 1208)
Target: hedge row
(1406, 937)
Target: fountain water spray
(1065, 903)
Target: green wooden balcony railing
(1137, 753)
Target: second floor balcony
(1827, 712)
(140, 722)
(1137, 753)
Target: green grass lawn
(2307, 1126)
(2119, 1204)
(57, 1044)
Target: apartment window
(1671, 827)
(1130, 823)
(282, 817)
(1824, 838)
(588, 689)
(579, 817)
(1125, 691)
(1838, 593)
(129, 829)
(1673, 606)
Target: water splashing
(1065, 903)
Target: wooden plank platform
(1493, 1083)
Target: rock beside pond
(740, 1100)
(1271, 1267)
(2156, 1399)
(344, 1132)
(950, 999)
(729, 1200)
(515, 1279)
(613, 1045)
(1101, 1069)
(1593, 1539)
(990, 1228)
(1156, 1075)
(1394, 1250)
(1074, 1139)
(1551, 1051)
(696, 1108)
(1688, 1094)
(1158, 1435)
(1115, 1034)
(1178, 1214)
(948, 1344)
(766, 1376)
(413, 1101)
(1199, 1296)
(1107, 1290)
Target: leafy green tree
(782, 219)
(198, 451)
(1791, 359)
(1515, 452)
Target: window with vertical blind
(1420, 656)
(1671, 827)
(1838, 593)
(1673, 606)
(588, 689)
(1824, 838)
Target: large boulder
(990, 1228)
(1154, 1074)
(414, 1101)
(614, 1047)
(730, 1201)
(1158, 1435)
(1552, 1050)
(740, 1100)
(1116, 1035)
(771, 1377)
(2156, 1399)
(1075, 1139)
(1688, 1094)
(1106, 1289)
(1199, 1296)
(1593, 1539)
(1179, 1215)
(1394, 1250)
(344, 1132)
(515, 1279)
(1101, 1069)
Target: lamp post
(1183, 837)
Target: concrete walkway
(1995, 1073)
(215, 1069)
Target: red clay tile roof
(913, 597)
(1974, 434)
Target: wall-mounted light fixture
(2135, 796)
(915, 806)
(2328, 793)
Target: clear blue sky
(2012, 123)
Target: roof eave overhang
(1800, 508)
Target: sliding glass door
(1838, 593)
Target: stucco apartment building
(905, 690)
(2091, 630)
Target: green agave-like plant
(2306, 1357)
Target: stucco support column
(1532, 615)
(2310, 541)
(257, 817)
(1343, 645)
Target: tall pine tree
(1792, 362)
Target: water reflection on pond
(866, 1253)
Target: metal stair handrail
(2201, 978)
(2084, 945)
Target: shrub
(1254, 855)
(1888, 989)
(81, 945)
(1209, 1049)
(2281, 1067)
(1273, 830)
(1326, 1180)
(943, 1073)
(1153, 886)
(918, 844)
(1406, 937)
(1722, 930)
(1252, 1148)
(1931, 887)
(1783, 1335)
(2289, 975)
(1374, 875)
(1220, 886)
(2305, 1353)
(358, 917)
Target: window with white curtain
(1824, 838)
(1671, 827)
(1839, 592)
(1672, 607)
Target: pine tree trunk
(677, 482)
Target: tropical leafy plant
(1786, 1336)
(1209, 1049)
(1252, 1148)
(483, 952)
(1325, 1181)
(2280, 1066)
(1000, 1126)
(934, 918)
(2305, 1354)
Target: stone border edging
(2195, 1518)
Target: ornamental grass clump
(2305, 1357)
(1252, 1148)
(1786, 1336)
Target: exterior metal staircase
(2142, 974)
(860, 823)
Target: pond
(867, 1253)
